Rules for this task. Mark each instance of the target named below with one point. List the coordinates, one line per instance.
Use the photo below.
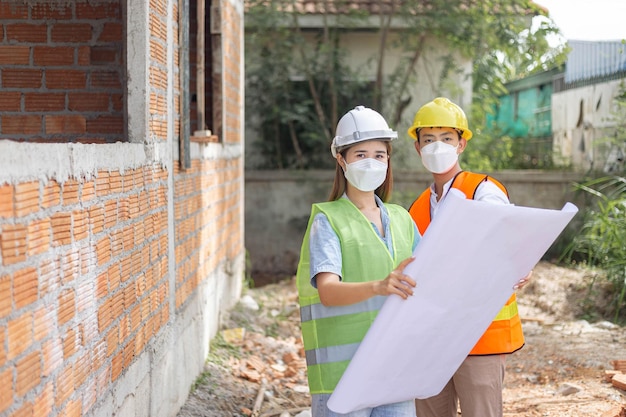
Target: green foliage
(601, 240)
(301, 78)
(300, 82)
(248, 281)
(488, 153)
(510, 52)
(220, 350)
(492, 151)
(201, 380)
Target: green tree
(529, 54)
(298, 118)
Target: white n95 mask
(366, 174)
(439, 157)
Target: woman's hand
(396, 282)
(334, 292)
(523, 282)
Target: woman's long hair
(339, 184)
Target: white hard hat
(358, 125)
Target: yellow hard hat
(440, 112)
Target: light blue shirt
(325, 249)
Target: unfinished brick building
(121, 200)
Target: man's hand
(523, 282)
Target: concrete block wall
(115, 263)
(278, 206)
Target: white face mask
(439, 157)
(366, 174)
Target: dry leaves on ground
(257, 368)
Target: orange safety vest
(504, 334)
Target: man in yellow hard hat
(441, 133)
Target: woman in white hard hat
(352, 257)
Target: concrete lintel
(216, 150)
(21, 161)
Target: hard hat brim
(465, 133)
(341, 142)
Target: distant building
(524, 114)
(565, 116)
(583, 107)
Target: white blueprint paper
(465, 266)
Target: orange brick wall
(87, 284)
(208, 197)
(83, 286)
(208, 204)
(61, 71)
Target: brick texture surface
(54, 56)
(104, 289)
(85, 261)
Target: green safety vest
(331, 335)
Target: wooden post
(184, 158)
(200, 65)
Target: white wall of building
(581, 118)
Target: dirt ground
(256, 366)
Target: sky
(591, 20)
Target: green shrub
(601, 241)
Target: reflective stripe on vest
(338, 330)
(504, 334)
(331, 335)
(508, 311)
(307, 312)
(331, 354)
